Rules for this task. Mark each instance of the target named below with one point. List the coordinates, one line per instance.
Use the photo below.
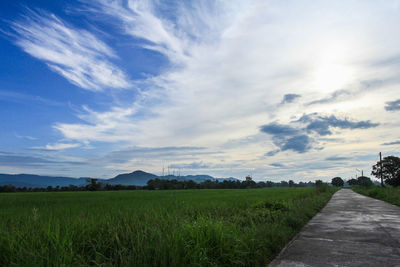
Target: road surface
(352, 230)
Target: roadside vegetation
(389, 170)
(153, 228)
(388, 194)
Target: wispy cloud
(338, 158)
(25, 137)
(190, 166)
(76, 54)
(22, 98)
(31, 161)
(195, 22)
(56, 147)
(335, 96)
(391, 143)
(159, 153)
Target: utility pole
(380, 167)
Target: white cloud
(232, 63)
(56, 146)
(60, 146)
(76, 54)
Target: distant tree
(93, 185)
(352, 182)
(270, 184)
(337, 181)
(248, 178)
(291, 183)
(319, 183)
(390, 170)
(284, 184)
(364, 181)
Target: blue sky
(298, 90)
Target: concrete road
(352, 230)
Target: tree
(291, 183)
(352, 182)
(337, 181)
(318, 183)
(364, 181)
(93, 185)
(389, 167)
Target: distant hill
(31, 180)
(138, 177)
(133, 178)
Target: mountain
(139, 178)
(133, 178)
(31, 180)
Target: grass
(153, 228)
(388, 194)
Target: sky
(278, 90)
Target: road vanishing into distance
(352, 230)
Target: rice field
(153, 228)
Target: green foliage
(153, 228)
(322, 187)
(337, 181)
(388, 194)
(364, 181)
(361, 181)
(352, 182)
(390, 170)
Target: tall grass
(152, 228)
(388, 194)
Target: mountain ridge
(138, 178)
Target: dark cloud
(337, 158)
(307, 131)
(393, 105)
(289, 98)
(286, 138)
(331, 98)
(272, 153)
(322, 124)
(391, 143)
(279, 165)
(298, 143)
(278, 129)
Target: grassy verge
(153, 228)
(388, 194)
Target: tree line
(387, 169)
(160, 184)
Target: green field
(388, 194)
(153, 228)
